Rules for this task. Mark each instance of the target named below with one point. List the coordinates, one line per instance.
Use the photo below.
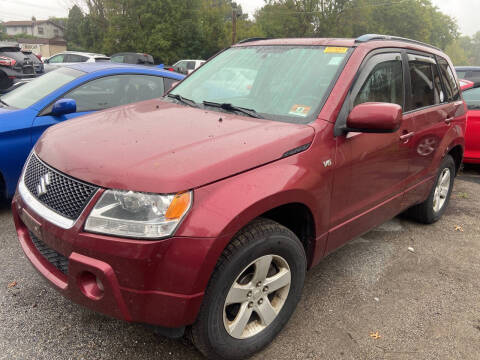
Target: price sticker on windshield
(300, 110)
(335, 50)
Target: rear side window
(116, 90)
(472, 76)
(472, 98)
(425, 81)
(451, 86)
(191, 65)
(57, 59)
(118, 59)
(73, 58)
(384, 82)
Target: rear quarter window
(449, 81)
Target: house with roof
(45, 29)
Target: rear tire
(238, 291)
(432, 209)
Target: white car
(71, 57)
(187, 66)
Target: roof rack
(371, 37)
(252, 39)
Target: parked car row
(66, 93)
(17, 66)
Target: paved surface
(424, 305)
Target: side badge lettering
(327, 163)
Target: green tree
(73, 31)
(457, 53)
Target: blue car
(63, 94)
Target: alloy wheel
(441, 190)
(256, 296)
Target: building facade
(45, 29)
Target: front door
(370, 169)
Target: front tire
(432, 209)
(253, 291)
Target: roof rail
(252, 39)
(371, 37)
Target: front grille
(53, 257)
(63, 194)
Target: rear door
(434, 104)
(428, 108)
(370, 169)
(472, 135)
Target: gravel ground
(423, 304)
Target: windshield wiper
(230, 107)
(3, 102)
(180, 98)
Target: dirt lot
(423, 304)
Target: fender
(228, 205)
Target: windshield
(285, 83)
(28, 94)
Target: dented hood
(161, 147)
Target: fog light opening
(90, 285)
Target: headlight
(138, 215)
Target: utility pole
(234, 25)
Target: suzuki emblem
(42, 185)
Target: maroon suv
(204, 209)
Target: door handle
(406, 136)
(449, 120)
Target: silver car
(71, 57)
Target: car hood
(160, 147)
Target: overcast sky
(465, 11)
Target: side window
(169, 83)
(473, 76)
(425, 81)
(191, 65)
(144, 87)
(98, 94)
(384, 80)
(181, 67)
(116, 90)
(73, 58)
(117, 59)
(451, 86)
(56, 59)
(472, 98)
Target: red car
(204, 209)
(471, 94)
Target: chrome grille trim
(42, 210)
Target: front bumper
(155, 282)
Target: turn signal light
(178, 207)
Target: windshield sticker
(336, 60)
(300, 110)
(335, 50)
